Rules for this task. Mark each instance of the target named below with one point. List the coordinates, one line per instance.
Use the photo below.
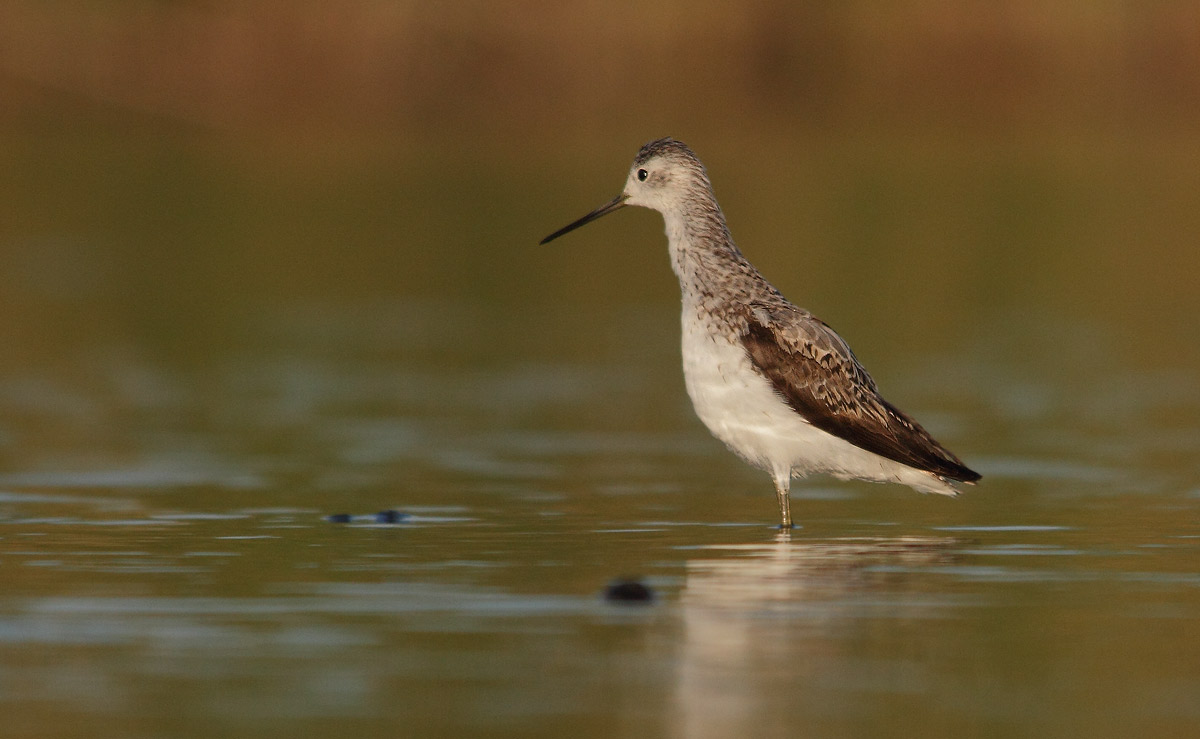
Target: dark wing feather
(814, 370)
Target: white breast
(741, 408)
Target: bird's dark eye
(642, 175)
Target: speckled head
(665, 175)
(663, 147)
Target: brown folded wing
(816, 373)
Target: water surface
(170, 570)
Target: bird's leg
(783, 482)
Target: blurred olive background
(167, 169)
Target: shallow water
(170, 570)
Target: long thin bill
(616, 204)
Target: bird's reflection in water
(769, 629)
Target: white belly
(741, 408)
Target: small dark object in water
(626, 590)
(390, 516)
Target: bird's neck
(704, 256)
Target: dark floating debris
(391, 516)
(628, 590)
(388, 516)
